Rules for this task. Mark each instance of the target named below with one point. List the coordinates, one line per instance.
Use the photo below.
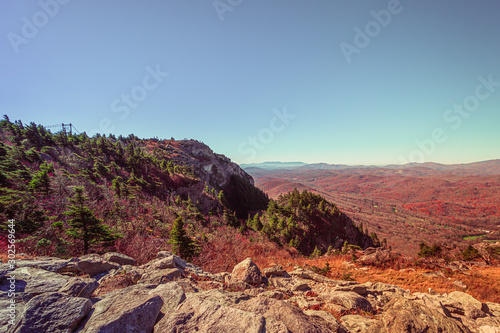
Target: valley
(407, 205)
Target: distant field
(471, 238)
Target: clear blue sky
(233, 68)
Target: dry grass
(483, 283)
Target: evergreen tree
(321, 206)
(256, 224)
(41, 180)
(84, 225)
(182, 245)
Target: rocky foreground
(112, 294)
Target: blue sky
(372, 82)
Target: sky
(340, 81)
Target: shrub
(427, 251)
(470, 253)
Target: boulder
(375, 256)
(93, 264)
(172, 295)
(275, 271)
(488, 325)
(248, 272)
(34, 280)
(131, 310)
(9, 312)
(291, 316)
(357, 323)
(301, 286)
(185, 266)
(198, 315)
(349, 300)
(473, 308)
(310, 275)
(160, 276)
(494, 309)
(160, 263)
(402, 315)
(331, 322)
(119, 258)
(460, 284)
(223, 297)
(49, 264)
(113, 282)
(79, 287)
(53, 312)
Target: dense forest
(70, 194)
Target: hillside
(138, 192)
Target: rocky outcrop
(196, 314)
(119, 258)
(53, 312)
(403, 315)
(94, 264)
(33, 280)
(133, 309)
(79, 287)
(169, 294)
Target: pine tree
(41, 180)
(222, 198)
(182, 245)
(321, 206)
(84, 225)
(256, 224)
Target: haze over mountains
(491, 167)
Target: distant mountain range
(491, 167)
(273, 165)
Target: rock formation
(168, 294)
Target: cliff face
(220, 173)
(211, 168)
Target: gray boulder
(49, 264)
(34, 280)
(119, 258)
(280, 311)
(94, 264)
(349, 300)
(160, 276)
(131, 310)
(275, 271)
(53, 312)
(11, 308)
(222, 297)
(79, 287)
(197, 315)
(172, 295)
